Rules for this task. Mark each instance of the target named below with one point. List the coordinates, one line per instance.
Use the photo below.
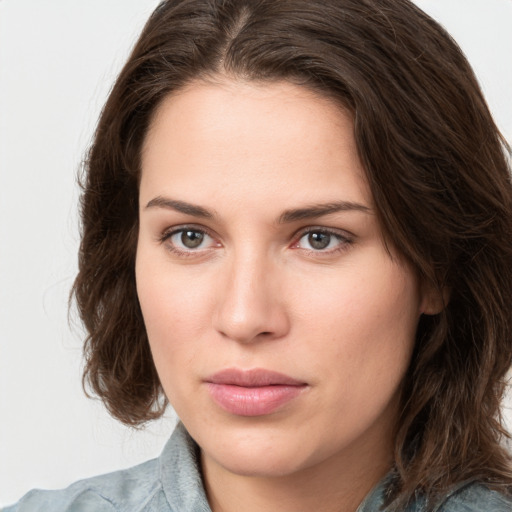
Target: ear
(433, 298)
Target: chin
(258, 452)
(258, 463)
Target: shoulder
(169, 483)
(131, 490)
(463, 497)
(475, 497)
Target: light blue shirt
(172, 483)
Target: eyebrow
(319, 210)
(180, 206)
(292, 215)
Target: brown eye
(319, 241)
(191, 239)
(323, 241)
(188, 240)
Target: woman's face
(280, 325)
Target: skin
(255, 293)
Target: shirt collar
(180, 474)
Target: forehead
(235, 138)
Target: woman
(297, 229)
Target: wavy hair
(438, 171)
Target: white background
(57, 62)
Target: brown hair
(437, 168)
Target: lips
(255, 392)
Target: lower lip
(252, 401)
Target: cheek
(365, 319)
(173, 308)
(173, 327)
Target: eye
(188, 240)
(322, 240)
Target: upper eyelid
(323, 229)
(166, 233)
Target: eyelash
(344, 240)
(167, 235)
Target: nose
(251, 303)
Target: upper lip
(252, 378)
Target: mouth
(255, 392)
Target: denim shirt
(172, 483)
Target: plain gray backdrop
(58, 59)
